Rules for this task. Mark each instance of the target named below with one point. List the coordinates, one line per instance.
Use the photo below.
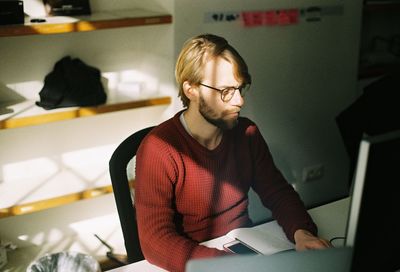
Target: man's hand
(306, 240)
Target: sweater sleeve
(161, 243)
(275, 192)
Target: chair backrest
(119, 179)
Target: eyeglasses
(227, 93)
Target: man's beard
(211, 116)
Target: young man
(194, 171)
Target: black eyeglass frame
(229, 91)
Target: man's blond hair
(197, 51)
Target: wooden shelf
(53, 202)
(35, 115)
(40, 205)
(26, 113)
(96, 21)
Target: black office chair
(119, 179)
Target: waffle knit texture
(186, 194)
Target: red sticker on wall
(270, 17)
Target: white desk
(330, 218)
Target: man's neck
(201, 130)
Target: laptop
(326, 260)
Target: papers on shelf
(267, 240)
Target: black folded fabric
(72, 83)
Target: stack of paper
(266, 240)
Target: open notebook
(266, 241)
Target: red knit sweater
(186, 194)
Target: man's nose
(237, 99)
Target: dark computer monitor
(373, 229)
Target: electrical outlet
(314, 172)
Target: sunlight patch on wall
(131, 84)
(48, 177)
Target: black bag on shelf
(72, 83)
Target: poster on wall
(67, 7)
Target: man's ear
(190, 90)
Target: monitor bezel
(357, 189)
